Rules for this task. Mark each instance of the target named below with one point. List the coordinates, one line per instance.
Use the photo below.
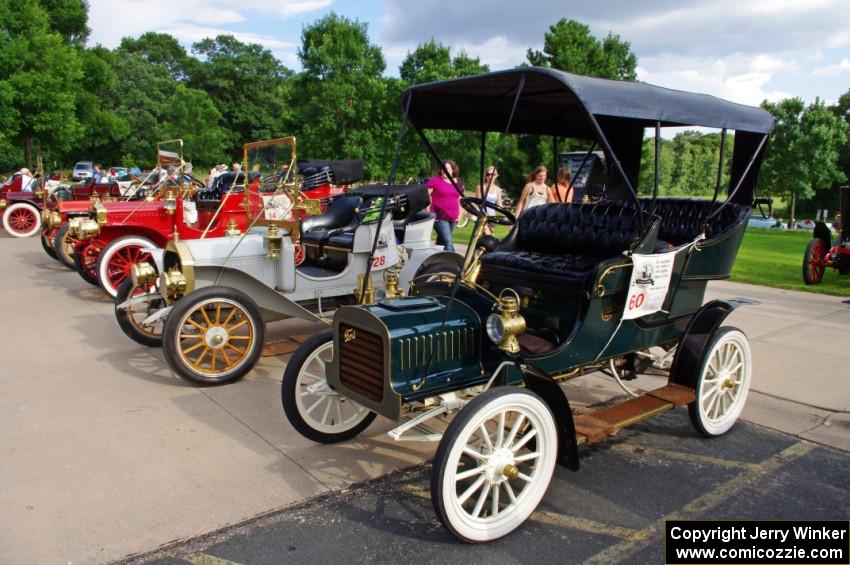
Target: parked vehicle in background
(22, 207)
(82, 170)
(821, 252)
(763, 223)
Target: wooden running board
(606, 422)
(284, 346)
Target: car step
(599, 424)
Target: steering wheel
(478, 207)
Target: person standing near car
(493, 191)
(535, 192)
(445, 203)
(97, 173)
(562, 190)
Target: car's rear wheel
(21, 220)
(86, 255)
(314, 409)
(117, 258)
(723, 383)
(494, 464)
(813, 261)
(130, 318)
(213, 336)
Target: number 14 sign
(649, 285)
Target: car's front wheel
(21, 220)
(146, 301)
(494, 464)
(314, 409)
(117, 258)
(213, 336)
(813, 261)
(64, 244)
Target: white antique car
(212, 297)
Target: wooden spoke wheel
(814, 261)
(213, 336)
(47, 236)
(21, 220)
(148, 300)
(64, 245)
(723, 384)
(86, 254)
(116, 259)
(494, 464)
(314, 409)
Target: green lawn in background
(768, 257)
(773, 257)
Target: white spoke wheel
(21, 220)
(723, 384)
(116, 260)
(314, 409)
(215, 335)
(130, 319)
(494, 464)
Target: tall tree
(160, 49)
(803, 154)
(191, 115)
(245, 82)
(68, 18)
(340, 99)
(39, 70)
(569, 46)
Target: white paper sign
(190, 212)
(649, 285)
(386, 253)
(277, 207)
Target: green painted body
(590, 327)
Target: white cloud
(188, 34)
(832, 70)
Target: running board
(599, 424)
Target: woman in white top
(494, 193)
(535, 192)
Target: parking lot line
(701, 505)
(633, 448)
(201, 558)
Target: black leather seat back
(341, 213)
(682, 219)
(593, 230)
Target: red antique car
(22, 198)
(821, 252)
(115, 238)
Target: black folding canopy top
(553, 102)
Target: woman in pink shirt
(445, 203)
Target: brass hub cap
(501, 466)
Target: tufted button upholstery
(682, 219)
(559, 246)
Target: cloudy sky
(742, 50)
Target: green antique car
(617, 283)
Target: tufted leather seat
(560, 246)
(682, 219)
(337, 221)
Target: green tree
(569, 46)
(39, 71)
(341, 102)
(192, 116)
(245, 82)
(68, 18)
(160, 49)
(803, 154)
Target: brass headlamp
(170, 202)
(391, 289)
(55, 219)
(172, 283)
(45, 216)
(273, 242)
(506, 323)
(88, 229)
(3, 203)
(74, 227)
(100, 213)
(142, 274)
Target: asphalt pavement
(105, 454)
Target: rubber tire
(58, 243)
(740, 400)
(130, 329)
(27, 208)
(80, 268)
(47, 244)
(808, 277)
(107, 252)
(447, 444)
(171, 341)
(288, 391)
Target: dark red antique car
(22, 198)
(115, 237)
(821, 252)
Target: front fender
(821, 231)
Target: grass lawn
(767, 257)
(775, 258)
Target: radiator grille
(361, 362)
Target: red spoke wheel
(814, 261)
(21, 220)
(86, 254)
(116, 260)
